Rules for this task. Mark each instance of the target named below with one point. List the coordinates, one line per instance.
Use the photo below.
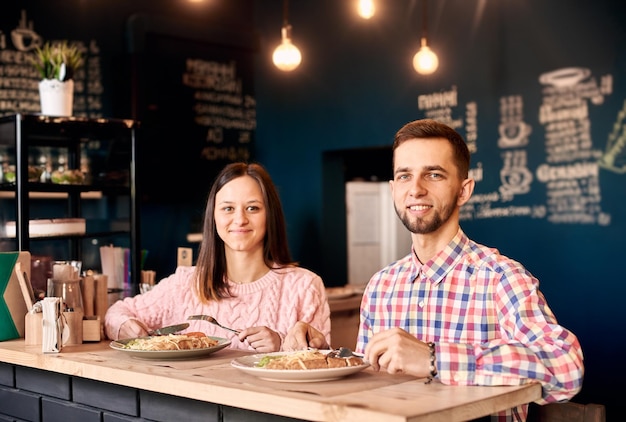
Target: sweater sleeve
(153, 308)
(317, 311)
(303, 298)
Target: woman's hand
(132, 328)
(261, 339)
(302, 336)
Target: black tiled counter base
(34, 395)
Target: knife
(171, 329)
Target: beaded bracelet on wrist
(432, 360)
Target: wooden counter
(361, 397)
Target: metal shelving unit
(108, 146)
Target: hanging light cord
(425, 19)
(285, 12)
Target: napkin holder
(52, 325)
(91, 329)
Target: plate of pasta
(299, 366)
(172, 346)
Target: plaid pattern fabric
(484, 311)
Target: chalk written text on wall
(19, 92)
(440, 106)
(220, 104)
(570, 171)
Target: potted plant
(56, 64)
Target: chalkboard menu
(556, 180)
(194, 97)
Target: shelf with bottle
(54, 169)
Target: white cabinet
(376, 237)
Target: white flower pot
(57, 98)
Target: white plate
(170, 354)
(248, 364)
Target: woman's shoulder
(182, 275)
(296, 273)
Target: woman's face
(240, 215)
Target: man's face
(427, 189)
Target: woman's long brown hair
(211, 264)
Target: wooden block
(88, 291)
(34, 329)
(102, 296)
(74, 320)
(91, 328)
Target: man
(452, 308)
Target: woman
(244, 276)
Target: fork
(342, 352)
(212, 321)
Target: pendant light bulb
(366, 8)
(425, 61)
(286, 56)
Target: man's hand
(398, 352)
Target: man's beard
(422, 226)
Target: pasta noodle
(308, 360)
(171, 342)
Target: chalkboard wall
(195, 99)
(537, 87)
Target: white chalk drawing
(565, 77)
(614, 157)
(24, 37)
(514, 175)
(513, 134)
(513, 130)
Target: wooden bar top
(364, 396)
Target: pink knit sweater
(277, 300)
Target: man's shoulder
(488, 257)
